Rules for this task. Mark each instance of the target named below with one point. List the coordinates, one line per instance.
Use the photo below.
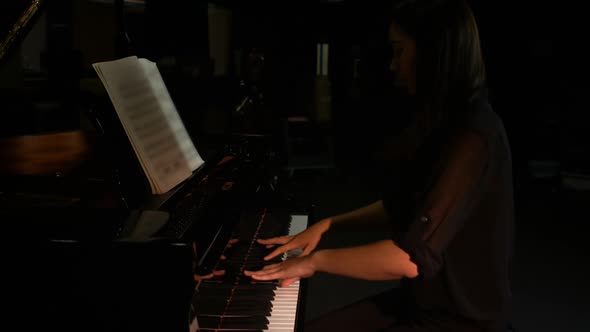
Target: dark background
(537, 64)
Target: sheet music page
(142, 112)
(185, 142)
(103, 71)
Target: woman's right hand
(306, 240)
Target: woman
(451, 207)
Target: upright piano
(89, 247)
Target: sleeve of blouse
(447, 205)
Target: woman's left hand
(287, 271)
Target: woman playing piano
(450, 207)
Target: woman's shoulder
(489, 126)
(485, 121)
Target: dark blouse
(452, 212)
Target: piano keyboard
(233, 302)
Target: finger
(271, 266)
(288, 281)
(264, 271)
(249, 273)
(275, 240)
(307, 251)
(218, 272)
(280, 250)
(231, 242)
(203, 277)
(258, 273)
(267, 276)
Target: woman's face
(403, 62)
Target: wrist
(330, 223)
(314, 260)
(326, 224)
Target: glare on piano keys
(232, 301)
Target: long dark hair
(450, 69)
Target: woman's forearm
(382, 260)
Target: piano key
(283, 314)
(231, 330)
(237, 301)
(236, 295)
(250, 311)
(298, 224)
(219, 285)
(210, 292)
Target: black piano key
(251, 300)
(267, 234)
(251, 309)
(235, 302)
(258, 285)
(244, 280)
(260, 311)
(255, 322)
(221, 266)
(256, 257)
(251, 285)
(239, 302)
(213, 283)
(210, 311)
(227, 293)
(235, 278)
(221, 309)
(236, 298)
(248, 304)
(211, 322)
(260, 260)
(256, 290)
(224, 288)
(232, 274)
(253, 266)
(229, 330)
(234, 324)
(220, 302)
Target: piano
(91, 249)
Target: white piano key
(298, 224)
(283, 314)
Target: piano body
(90, 248)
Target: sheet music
(151, 121)
(186, 144)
